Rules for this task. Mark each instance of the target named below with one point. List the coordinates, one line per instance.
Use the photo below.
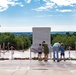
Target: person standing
(62, 48)
(46, 50)
(40, 52)
(56, 48)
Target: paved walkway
(35, 67)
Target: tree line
(20, 42)
(68, 39)
(17, 41)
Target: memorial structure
(40, 34)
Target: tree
(22, 42)
(74, 33)
(66, 39)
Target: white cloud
(3, 8)
(28, 1)
(61, 2)
(49, 4)
(43, 15)
(64, 2)
(36, 0)
(18, 3)
(46, 7)
(66, 10)
(4, 4)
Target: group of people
(56, 48)
(43, 47)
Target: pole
(0, 46)
(30, 53)
(69, 52)
(50, 50)
(0, 50)
(75, 45)
(12, 52)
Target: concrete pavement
(35, 67)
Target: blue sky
(57, 14)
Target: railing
(22, 54)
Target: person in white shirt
(56, 48)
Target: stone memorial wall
(41, 34)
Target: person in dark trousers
(46, 50)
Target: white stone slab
(41, 34)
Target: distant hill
(61, 32)
(22, 33)
(30, 33)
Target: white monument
(41, 34)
